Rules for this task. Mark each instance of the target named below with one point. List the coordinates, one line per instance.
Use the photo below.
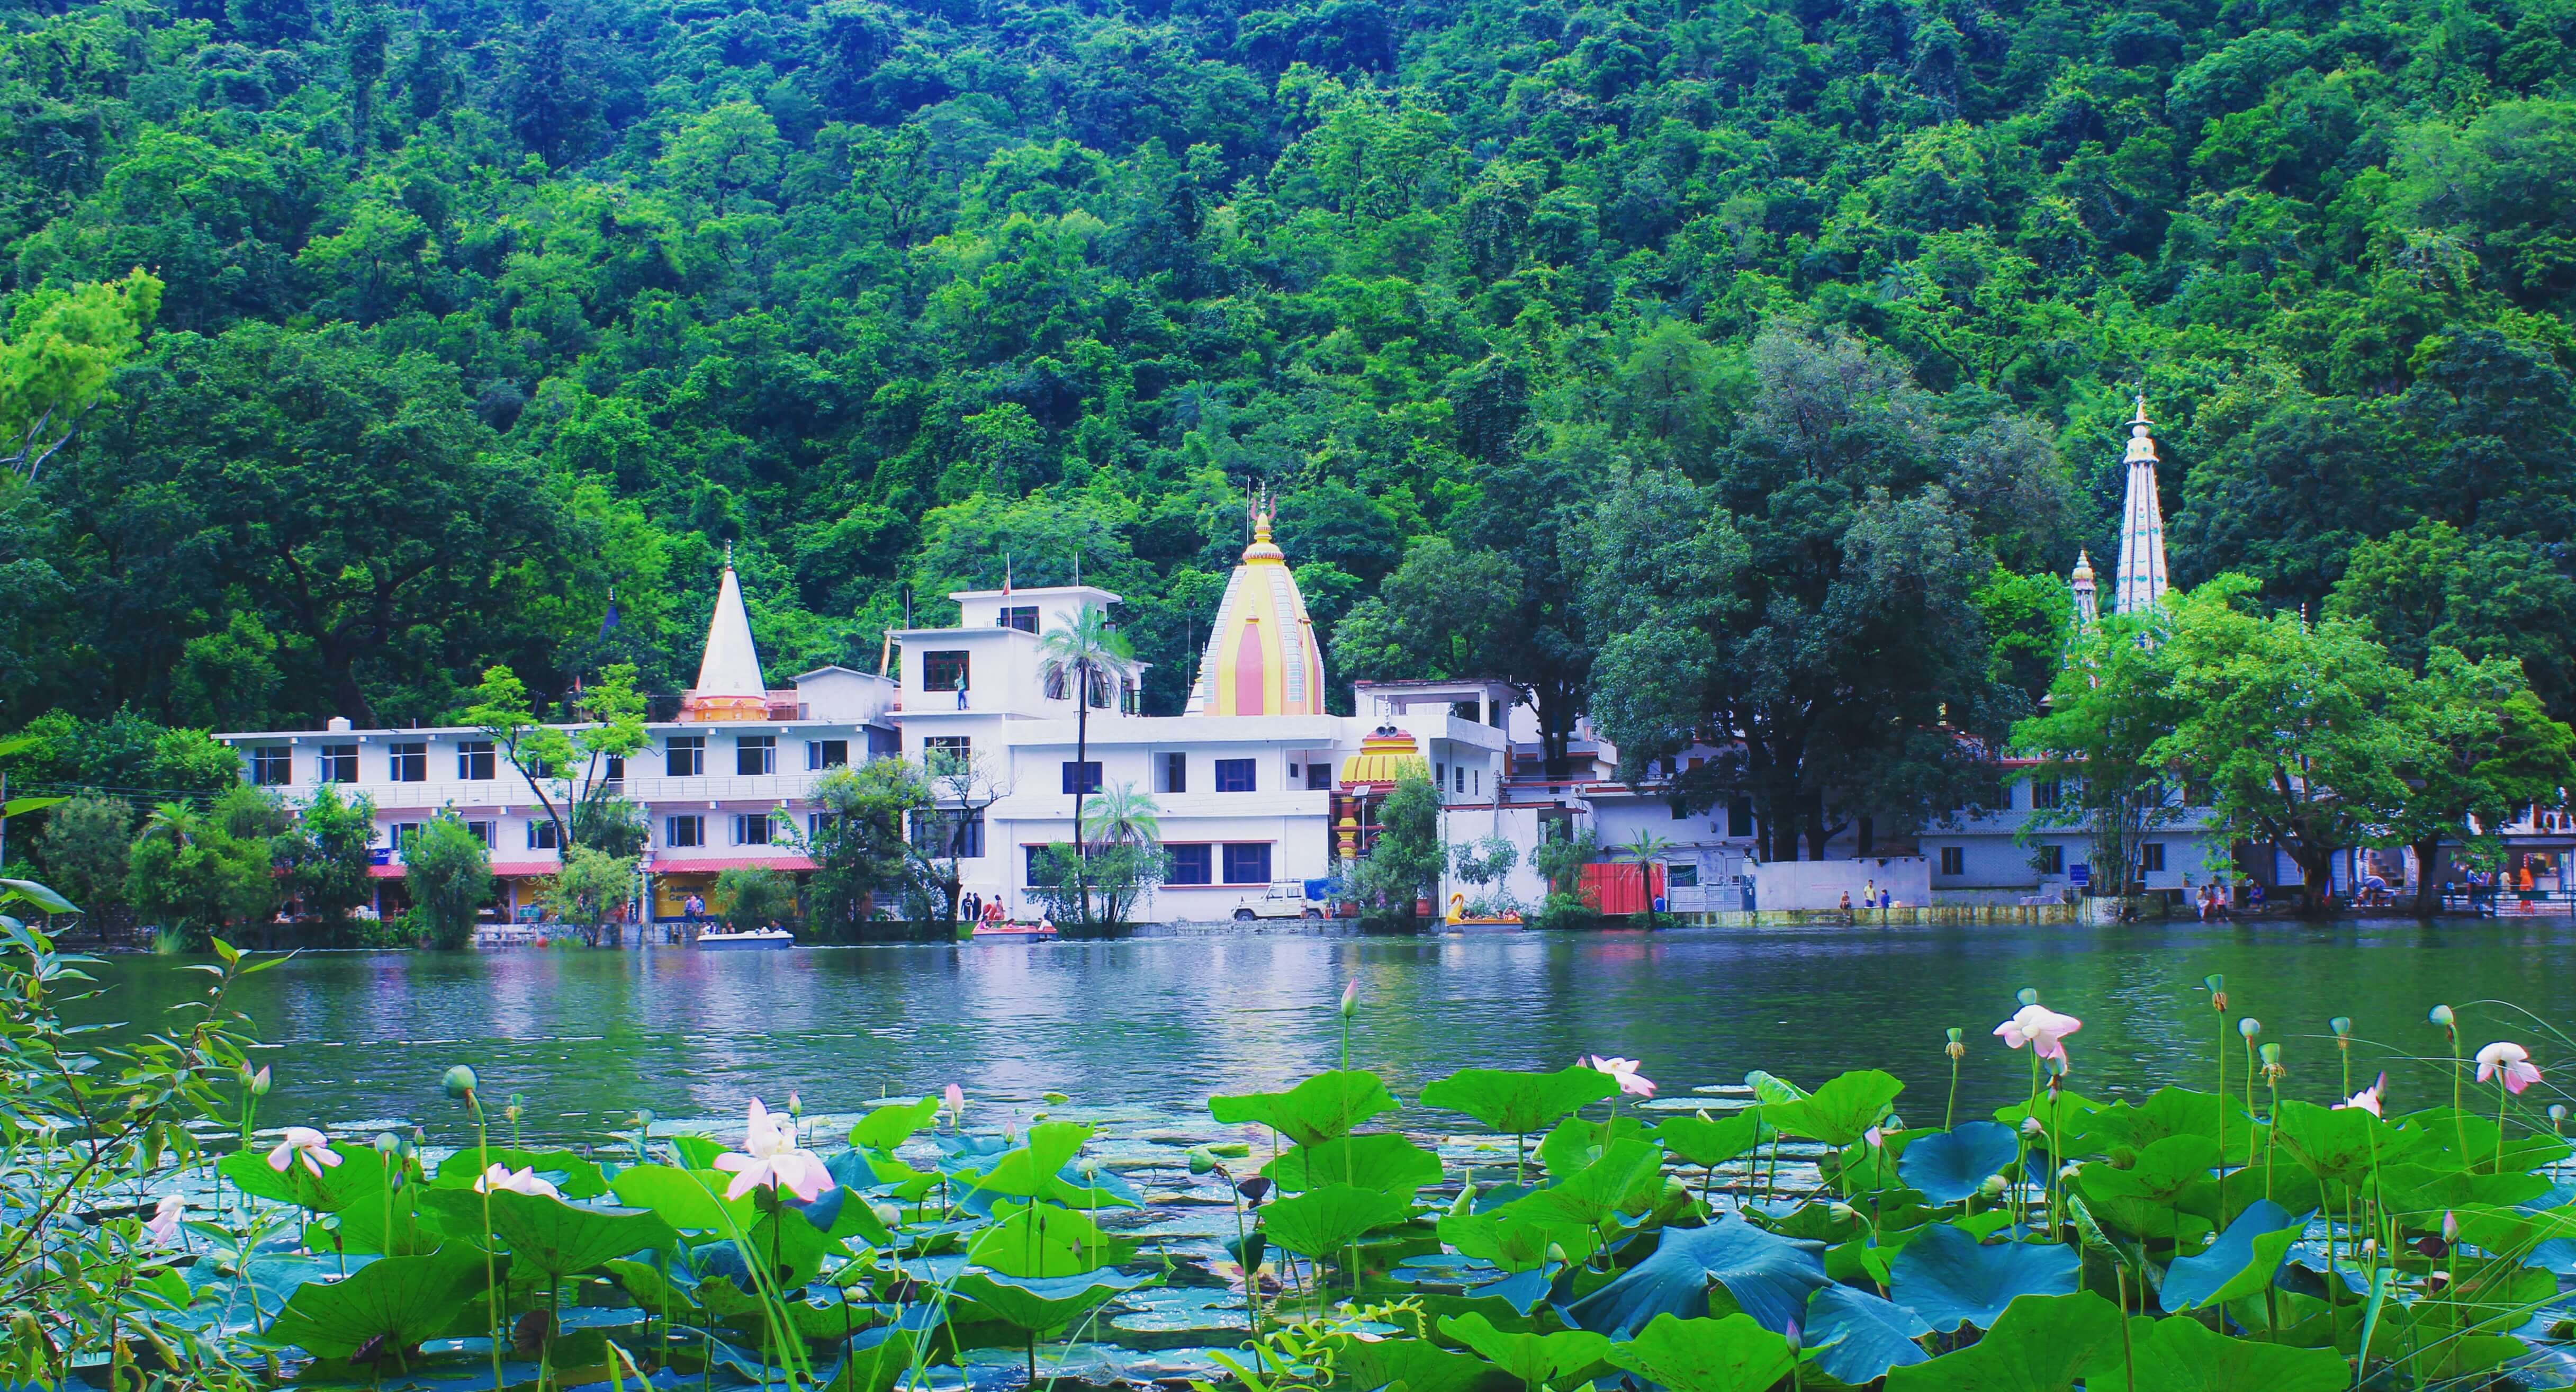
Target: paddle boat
(758, 939)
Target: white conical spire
(731, 666)
(2081, 582)
(2140, 584)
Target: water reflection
(1159, 1023)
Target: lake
(1151, 1026)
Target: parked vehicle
(1286, 899)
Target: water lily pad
(1419, 1364)
(1712, 1142)
(1382, 1161)
(1318, 1109)
(1515, 1239)
(1733, 1354)
(1519, 1103)
(1038, 1304)
(1859, 1336)
(1950, 1279)
(2183, 1355)
(1768, 1276)
(889, 1126)
(1840, 1111)
(1948, 1166)
(1628, 1178)
(1322, 1221)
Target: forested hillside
(1642, 352)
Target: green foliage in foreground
(2187, 1242)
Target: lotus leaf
(1042, 1242)
(1703, 1141)
(1768, 1276)
(2533, 1237)
(1101, 1188)
(1858, 1336)
(652, 1290)
(1533, 1358)
(2065, 1117)
(1948, 1166)
(399, 1300)
(358, 1178)
(1522, 1290)
(689, 1200)
(2042, 1344)
(1733, 1354)
(1318, 1109)
(1951, 1279)
(1382, 1161)
(1029, 1170)
(1038, 1304)
(1516, 1239)
(2161, 1174)
(574, 1176)
(1627, 1179)
(1575, 1143)
(560, 1238)
(1519, 1103)
(1419, 1365)
(2243, 1259)
(877, 1360)
(2182, 1355)
(2173, 1111)
(2434, 1188)
(1772, 1091)
(2339, 1144)
(889, 1126)
(1326, 1220)
(1840, 1111)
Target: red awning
(506, 869)
(384, 872)
(709, 865)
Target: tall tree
(1086, 659)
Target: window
(1440, 775)
(950, 832)
(943, 671)
(474, 760)
(2045, 793)
(1190, 865)
(1681, 876)
(1176, 774)
(1234, 776)
(817, 824)
(948, 754)
(1319, 777)
(272, 766)
(2052, 860)
(827, 754)
(2151, 857)
(679, 832)
(400, 835)
(1678, 813)
(1247, 863)
(407, 763)
(1083, 777)
(1023, 617)
(1954, 860)
(754, 755)
(751, 828)
(1036, 858)
(685, 757)
(1739, 816)
(339, 763)
(541, 835)
(481, 831)
(616, 772)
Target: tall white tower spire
(2139, 585)
(2081, 583)
(729, 686)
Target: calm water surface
(1152, 1026)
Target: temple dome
(729, 685)
(1261, 656)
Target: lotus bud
(2027, 995)
(1556, 1253)
(1791, 1334)
(2369, 1248)
(795, 1106)
(2030, 1127)
(1200, 1161)
(388, 1144)
(2558, 1117)
(1993, 1187)
(2450, 1226)
(1351, 998)
(259, 1083)
(887, 1214)
(460, 1082)
(2441, 1015)
(2342, 1027)
(1874, 1137)
(2249, 1027)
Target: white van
(1286, 899)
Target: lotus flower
(523, 1182)
(2511, 1060)
(2043, 1029)
(770, 1158)
(163, 1225)
(954, 1102)
(2367, 1099)
(314, 1149)
(1625, 1070)
(1351, 998)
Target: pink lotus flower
(1625, 1070)
(770, 1158)
(314, 1149)
(954, 1101)
(2367, 1099)
(163, 1225)
(2043, 1029)
(525, 1181)
(2512, 1060)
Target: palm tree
(1124, 816)
(1082, 649)
(1643, 851)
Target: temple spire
(2087, 610)
(2139, 585)
(729, 685)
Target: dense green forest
(1772, 349)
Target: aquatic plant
(2063, 1242)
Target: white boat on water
(755, 940)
